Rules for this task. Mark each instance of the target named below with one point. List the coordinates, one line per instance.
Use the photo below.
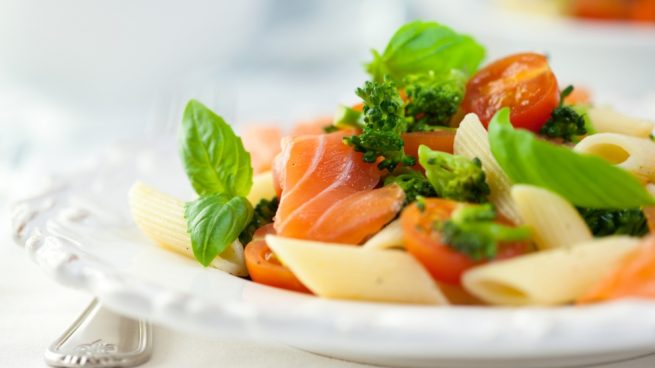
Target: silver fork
(101, 338)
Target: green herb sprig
(420, 47)
(219, 169)
(584, 180)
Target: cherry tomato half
(425, 244)
(523, 82)
(265, 268)
(441, 140)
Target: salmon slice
(633, 278)
(263, 143)
(311, 127)
(328, 191)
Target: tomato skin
(600, 9)
(649, 212)
(265, 269)
(523, 82)
(444, 264)
(441, 140)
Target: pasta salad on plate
(446, 183)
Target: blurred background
(77, 75)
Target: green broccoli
(565, 122)
(413, 183)
(384, 122)
(433, 99)
(263, 214)
(471, 230)
(454, 177)
(615, 222)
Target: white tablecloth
(35, 310)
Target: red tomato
(424, 242)
(643, 10)
(600, 9)
(650, 216)
(441, 140)
(264, 267)
(523, 82)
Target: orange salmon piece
(311, 127)
(634, 277)
(327, 191)
(263, 143)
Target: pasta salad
(446, 183)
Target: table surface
(34, 310)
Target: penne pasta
(471, 141)
(391, 236)
(636, 155)
(161, 218)
(555, 222)
(340, 271)
(262, 188)
(550, 277)
(606, 120)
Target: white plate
(80, 232)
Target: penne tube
(555, 222)
(550, 277)
(391, 236)
(636, 155)
(161, 218)
(471, 141)
(606, 120)
(341, 271)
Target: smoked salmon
(263, 143)
(328, 192)
(633, 278)
(315, 126)
(263, 140)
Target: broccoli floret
(615, 222)
(471, 230)
(413, 183)
(433, 99)
(565, 122)
(384, 122)
(454, 177)
(263, 214)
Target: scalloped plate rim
(505, 333)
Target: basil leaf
(213, 156)
(419, 47)
(584, 180)
(214, 222)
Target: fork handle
(100, 338)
